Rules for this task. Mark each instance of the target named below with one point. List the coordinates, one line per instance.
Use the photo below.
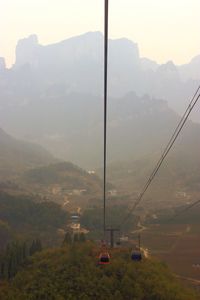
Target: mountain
(191, 70)
(27, 168)
(63, 172)
(25, 218)
(175, 184)
(72, 127)
(17, 155)
(148, 64)
(53, 96)
(75, 65)
(63, 183)
(2, 65)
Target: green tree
(67, 239)
(82, 237)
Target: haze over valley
(53, 96)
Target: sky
(164, 30)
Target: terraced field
(177, 245)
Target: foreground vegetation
(71, 272)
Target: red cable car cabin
(104, 258)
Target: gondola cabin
(104, 258)
(136, 256)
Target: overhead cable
(168, 147)
(105, 109)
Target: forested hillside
(176, 183)
(63, 173)
(22, 218)
(17, 156)
(63, 183)
(72, 273)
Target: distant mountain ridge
(17, 156)
(53, 96)
(72, 127)
(63, 183)
(76, 65)
(66, 175)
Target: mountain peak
(90, 35)
(30, 40)
(26, 50)
(168, 66)
(195, 60)
(93, 33)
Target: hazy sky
(164, 30)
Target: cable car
(136, 255)
(104, 258)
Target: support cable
(184, 210)
(105, 110)
(171, 142)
